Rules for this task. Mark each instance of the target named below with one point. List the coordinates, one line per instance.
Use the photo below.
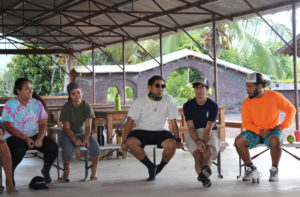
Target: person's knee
(52, 148)
(67, 151)
(240, 142)
(275, 142)
(169, 144)
(94, 148)
(208, 152)
(197, 155)
(132, 142)
(67, 154)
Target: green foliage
(129, 93)
(179, 85)
(259, 55)
(187, 92)
(278, 67)
(38, 71)
(111, 93)
(7, 82)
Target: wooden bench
(234, 124)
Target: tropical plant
(38, 69)
(178, 85)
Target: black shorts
(151, 137)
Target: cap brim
(38, 186)
(200, 83)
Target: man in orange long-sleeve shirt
(260, 118)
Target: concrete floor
(127, 178)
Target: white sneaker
(273, 174)
(252, 174)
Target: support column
(161, 54)
(93, 68)
(215, 58)
(71, 67)
(222, 118)
(124, 71)
(295, 63)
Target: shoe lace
(248, 172)
(273, 172)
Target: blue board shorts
(255, 139)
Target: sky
(280, 17)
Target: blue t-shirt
(201, 114)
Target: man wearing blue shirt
(202, 139)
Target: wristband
(178, 139)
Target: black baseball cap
(201, 80)
(38, 182)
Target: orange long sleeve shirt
(263, 113)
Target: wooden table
(110, 116)
(234, 124)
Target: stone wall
(231, 82)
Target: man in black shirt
(202, 140)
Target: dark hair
(38, 97)
(19, 84)
(152, 80)
(71, 86)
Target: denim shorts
(255, 139)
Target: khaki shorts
(213, 141)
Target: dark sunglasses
(163, 86)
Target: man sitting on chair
(151, 112)
(260, 118)
(202, 140)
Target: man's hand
(78, 142)
(124, 145)
(179, 145)
(264, 133)
(30, 143)
(201, 146)
(86, 142)
(278, 127)
(38, 142)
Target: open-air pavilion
(72, 26)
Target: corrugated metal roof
(287, 50)
(151, 64)
(283, 86)
(78, 24)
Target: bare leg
(276, 150)
(241, 145)
(7, 166)
(94, 168)
(198, 161)
(205, 170)
(134, 145)
(67, 169)
(169, 146)
(207, 156)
